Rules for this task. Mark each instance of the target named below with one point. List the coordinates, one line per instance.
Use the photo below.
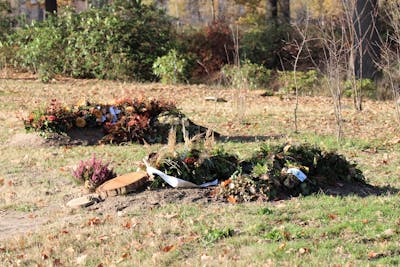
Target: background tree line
(123, 39)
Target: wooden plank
(123, 184)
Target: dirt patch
(75, 137)
(150, 199)
(14, 223)
(27, 140)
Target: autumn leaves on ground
(173, 227)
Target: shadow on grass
(250, 138)
(359, 189)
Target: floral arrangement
(93, 173)
(123, 120)
(273, 172)
(197, 166)
(267, 175)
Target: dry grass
(37, 229)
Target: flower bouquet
(93, 173)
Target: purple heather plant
(93, 173)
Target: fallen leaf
(44, 255)
(168, 248)
(286, 148)
(373, 255)
(1, 181)
(235, 257)
(205, 257)
(214, 192)
(365, 221)
(123, 257)
(332, 216)
(70, 250)
(282, 246)
(150, 235)
(10, 183)
(57, 262)
(395, 141)
(304, 251)
(232, 199)
(388, 232)
(104, 238)
(171, 216)
(127, 225)
(226, 182)
(290, 250)
(94, 221)
(81, 259)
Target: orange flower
(80, 122)
(97, 113)
(129, 109)
(82, 103)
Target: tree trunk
(366, 38)
(273, 10)
(284, 11)
(51, 6)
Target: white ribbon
(173, 181)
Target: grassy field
(37, 229)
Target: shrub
(7, 20)
(40, 48)
(119, 41)
(170, 68)
(93, 173)
(367, 87)
(249, 75)
(208, 49)
(306, 81)
(262, 41)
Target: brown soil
(149, 199)
(14, 223)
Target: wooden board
(82, 202)
(123, 184)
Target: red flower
(51, 117)
(189, 161)
(131, 123)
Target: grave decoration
(196, 165)
(92, 173)
(282, 171)
(125, 120)
(278, 171)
